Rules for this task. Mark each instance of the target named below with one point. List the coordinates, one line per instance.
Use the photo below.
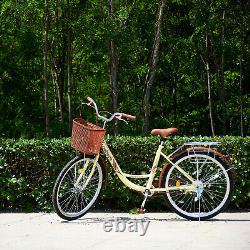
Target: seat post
(162, 142)
(155, 165)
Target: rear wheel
(211, 190)
(74, 191)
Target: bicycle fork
(83, 173)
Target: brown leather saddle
(164, 132)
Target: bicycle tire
(81, 203)
(206, 190)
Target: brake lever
(120, 118)
(89, 104)
(123, 121)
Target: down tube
(118, 170)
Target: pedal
(140, 210)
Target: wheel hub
(199, 187)
(77, 189)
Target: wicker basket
(86, 137)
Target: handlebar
(119, 116)
(129, 117)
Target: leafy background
(179, 95)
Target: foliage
(28, 169)
(179, 95)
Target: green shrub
(28, 169)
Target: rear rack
(209, 145)
(206, 143)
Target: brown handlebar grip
(129, 117)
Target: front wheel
(210, 191)
(77, 188)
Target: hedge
(28, 169)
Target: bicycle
(197, 179)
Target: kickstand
(141, 210)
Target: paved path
(229, 231)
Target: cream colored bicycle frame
(124, 176)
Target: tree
(69, 64)
(105, 50)
(113, 78)
(152, 67)
(45, 59)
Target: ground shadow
(96, 220)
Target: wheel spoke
(210, 188)
(70, 199)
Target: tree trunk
(55, 91)
(113, 71)
(222, 84)
(241, 102)
(59, 63)
(205, 60)
(210, 98)
(113, 76)
(175, 100)
(69, 69)
(45, 65)
(59, 86)
(152, 68)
